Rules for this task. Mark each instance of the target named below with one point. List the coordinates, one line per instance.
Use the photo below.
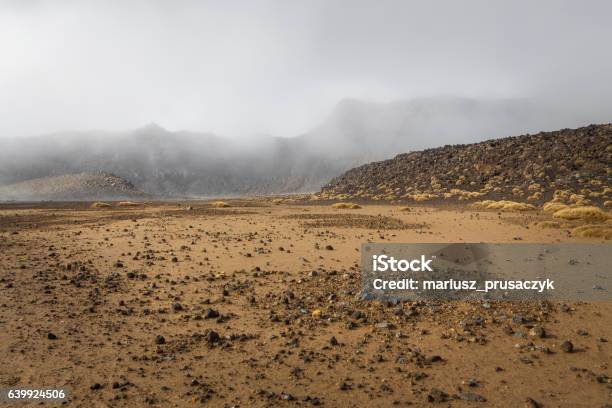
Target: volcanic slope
(521, 168)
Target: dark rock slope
(521, 168)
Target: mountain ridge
(193, 164)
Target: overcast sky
(278, 67)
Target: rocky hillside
(82, 186)
(522, 168)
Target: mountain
(526, 167)
(82, 186)
(183, 163)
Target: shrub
(346, 206)
(552, 206)
(582, 213)
(100, 204)
(593, 231)
(503, 205)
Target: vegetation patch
(346, 206)
(100, 204)
(593, 231)
(582, 213)
(220, 204)
(504, 205)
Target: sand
(258, 305)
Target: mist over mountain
(191, 164)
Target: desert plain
(256, 302)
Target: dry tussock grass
(553, 206)
(503, 205)
(128, 204)
(582, 214)
(593, 231)
(100, 204)
(346, 206)
(220, 204)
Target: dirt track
(258, 305)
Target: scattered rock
(567, 346)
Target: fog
(249, 68)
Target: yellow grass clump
(346, 206)
(535, 196)
(100, 204)
(608, 203)
(463, 194)
(405, 209)
(579, 199)
(503, 205)
(561, 195)
(220, 204)
(593, 231)
(277, 201)
(423, 197)
(582, 213)
(517, 191)
(482, 204)
(534, 187)
(128, 204)
(553, 206)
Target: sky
(254, 67)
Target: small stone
(531, 403)
(329, 247)
(212, 337)
(333, 341)
(470, 396)
(211, 314)
(567, 346)
(471, 382)
(160, 339)
(51, 336)
(537, 331)
(95, 386)
(436, 395)
(435, 359)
